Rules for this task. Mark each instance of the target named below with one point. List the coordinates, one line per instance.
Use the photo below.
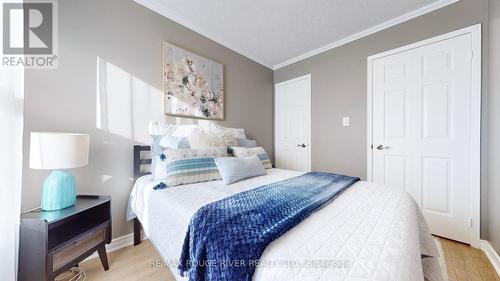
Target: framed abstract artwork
(193, 86)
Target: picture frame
(193, 85)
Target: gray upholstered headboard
(142, 160)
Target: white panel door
(422, 130)
(293, 124)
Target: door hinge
(371, 146)
(470, 223)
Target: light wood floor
(134, 264)
(129, 264)
(465, 263)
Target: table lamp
(58, 152)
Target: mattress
(370, 232)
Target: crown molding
(163, 10)
(390, 23)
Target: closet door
(422, 130)
(293, 124)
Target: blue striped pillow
(184, 166)
(259, 151)
(247, 143)
(158, 145)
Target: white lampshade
(58, 150)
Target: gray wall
(123, 40)
(494, 127)
(111, 51)
(339, 89)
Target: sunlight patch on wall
(124, 103)
(105, 178)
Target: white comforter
(370, 232)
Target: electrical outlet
(345, 121)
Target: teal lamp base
(59, 191)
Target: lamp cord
(79, 275)
(31, 210)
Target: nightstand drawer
(78, 247)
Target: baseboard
(491, 254)
(118, 243)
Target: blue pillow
(158, 145)
(233, 169)
(247, 143)
(174, 142)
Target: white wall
(11, 157)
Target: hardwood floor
(129, 264)
(465, 263)
(134, 263)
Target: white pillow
(161, 128)
(218, 129)
(183, 131)
(235, 132)
(201, 139)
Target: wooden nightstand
(52, 242)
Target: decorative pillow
(259, 151)
(167, 136)
(174, 142)
(161, 128)
(235, 132)
(207, 139)
(158, 145)
(233, 169)
(187, 130)
(185, 166)
(218, 129)
(158, 167)
(246, 143)
(228, 139)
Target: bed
(370, 232)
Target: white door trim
(475, 32)
(307, 77)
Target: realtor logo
(29, 34)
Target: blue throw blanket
(226, 238)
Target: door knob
(380, 147)
(301, 145)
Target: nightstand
(51, 242)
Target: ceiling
(276, 33)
